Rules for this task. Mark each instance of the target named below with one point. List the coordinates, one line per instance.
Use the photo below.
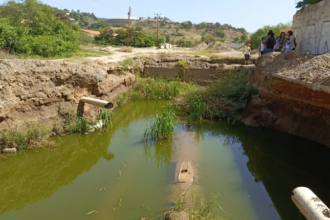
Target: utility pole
(129, 17)
(157, 17)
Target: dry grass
(5, 55)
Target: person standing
(247, 53)
(270, 42)
(281, 41)
(291, 41)
(262, 46)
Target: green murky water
(113, 175)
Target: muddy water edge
(114, 175)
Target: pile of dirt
(297, 66)
(201, 46)
(218, 47)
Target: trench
(114, 175)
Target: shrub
(223, 99)
(32, 28)
(182, 66)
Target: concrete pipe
(310, 205)
(97, 102)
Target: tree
(32, 28)
(304, 3)
(262, 32)
(220, 33)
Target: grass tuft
(105, 115)
(163, 126)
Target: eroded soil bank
(293, 88)
(294, 95)
(32, 91)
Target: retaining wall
(311, 27)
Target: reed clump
(105, 116)
(162, 128)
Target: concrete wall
(311, 27)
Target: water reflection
(32, 176)
(279, 161)
(161, 152)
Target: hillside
(175, 31)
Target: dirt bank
(33, 90)
(294, 95)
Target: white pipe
(97, 102)
(310, 205)
(9, 150)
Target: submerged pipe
(97, 102)
(310, 205)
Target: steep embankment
(33, 90)
(294, 95)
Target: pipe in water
(310, 205)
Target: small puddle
(114, 175)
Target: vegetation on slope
(32, 29)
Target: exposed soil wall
(201, 70)
(33, 90)
(294, 95)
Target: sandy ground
(117, 56)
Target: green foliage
(153, 89)
(163, 126)
(105, 116)
(186, 25)
(182, 66)
(77, 125)
(223, 99)
(32, 137)
(262, 32)
(207, 38)
(72, 123)
(220, 33)
(85, 39)
(197, 108)
(186, 43)
(304, 3)
(32, 28)
(137, 38)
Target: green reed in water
(163, 126)
(105, 116)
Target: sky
(251, 14)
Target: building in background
(121, 20)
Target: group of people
(283, 43)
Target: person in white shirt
(262, 46)
(247, 53)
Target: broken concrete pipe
(310, 205)
(97, 102)
(9, 151)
